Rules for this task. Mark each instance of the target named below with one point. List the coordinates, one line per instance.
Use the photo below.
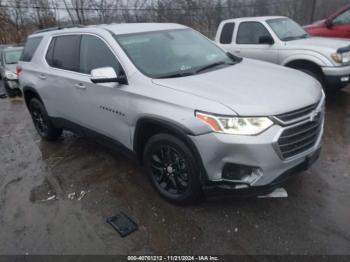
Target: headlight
(10, 76)
(248, 126)
(343, 58)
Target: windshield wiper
(175, 75)
(290, 38)
(212, 66)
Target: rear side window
(249, 33)
(30, 48)
(227, 33)
(94, 53)
(63, 52)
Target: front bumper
(217, 150)
(336, 76)
(230, 189)
(12, 84)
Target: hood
(319, 42)
(11, 67)
(251, 88)
(315, 24)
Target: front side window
(168, 53)
(249, 33)
(95, 54)
(286, 29)
(343, 18)
(12, 57)
(63, 52)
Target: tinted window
(94, 53)
(30, 48)
(249, 33)
(343, 18)
(66, 52)
(227, 33)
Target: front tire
(172, 169)
(42, 121)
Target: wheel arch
(29, 93)
(306, 64)
(146, 127)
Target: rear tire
(172, 169)
(42, 121)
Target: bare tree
(44, 14)
(18, 18)
(77, 10)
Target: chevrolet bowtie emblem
(313, 115)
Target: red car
(337, 25)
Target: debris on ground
(49, 198)
(82, 194)
(277, 193)
(122, 224)
(77, 196)
(71, 196)
(3, 96)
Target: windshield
(12, 57)
(286, 29)
(173, 53)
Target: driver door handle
(42, 76)
(80, 86)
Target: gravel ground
(314, 219)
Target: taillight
(18, 70)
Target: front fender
(315, 58)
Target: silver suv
(195, 117)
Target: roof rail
(57, 28)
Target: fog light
(241, 174)
(345, 79)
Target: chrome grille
(298, 139)
(296, 114)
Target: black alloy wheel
(172, 169)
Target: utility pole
(313, 10)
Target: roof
(130, 28)
(117, 29)
(258, 18)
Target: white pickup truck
(282, 41)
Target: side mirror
(106, 75)
(328, 23)
(266, 40)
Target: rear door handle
(42, 76)
(237, 51)
(80, 86)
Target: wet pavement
(38, 217)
